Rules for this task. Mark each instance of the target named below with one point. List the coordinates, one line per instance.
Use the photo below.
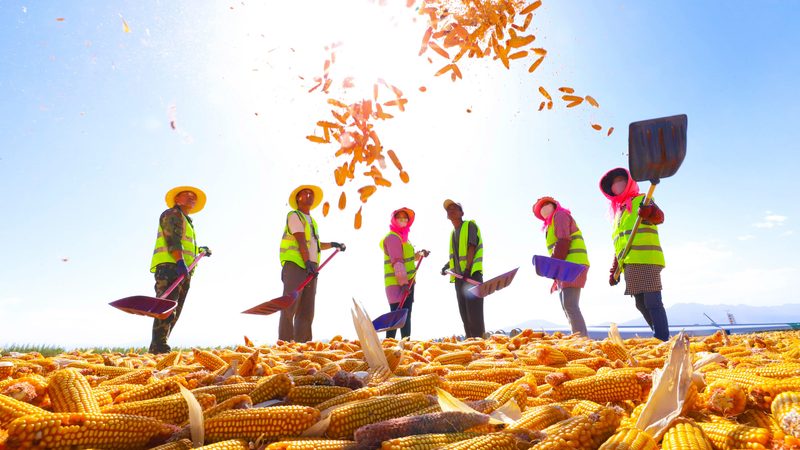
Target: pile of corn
(573, 393)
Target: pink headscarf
(396, 228)
(537, 208)
(624, 199)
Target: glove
(651, 214)
(182, 269)
(424, 253)
(205, 250)
(340, 247)
(444, 268)
(611, 280)
(311, 268)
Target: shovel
(156, 307)
(394, 320)
(488, 287)
(557, 269)
(656, 149)
(285, 301)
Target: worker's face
(619, 184)
(186, 200)
(401, 218)
(547, 210)
(454, 212)
(305, 197)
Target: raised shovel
(656, 149)
(394, 320)
(284, 301)
(489, 287)
(157, 307)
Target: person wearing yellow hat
(300, 250)
(466, 259)
(565, 241)
(175, 250)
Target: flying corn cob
(443, 422)
(70, 392)
(630, 439)
(786, 411)
(253, 423)
(346, 419)
(729, 436)
(685, 435)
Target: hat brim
(409, 211)
(537, 207)
(315, 189)
(608, 178)
(449, 202)
(198, 205)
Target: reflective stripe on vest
(161, 252)
(477, 260)
(646, 248)
(577, 247)
(389, 278)
(290, 249)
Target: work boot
(159, 349)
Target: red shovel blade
(271, 306)
(494, 285)
(390, 321)
(159, 308)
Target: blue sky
(87, 153)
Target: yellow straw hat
(199, 204)
(315, 189)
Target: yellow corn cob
(540, 417)
(425, 441)
(70, 392)
(139, 376)
(371, 436)
(86, 430)
(358, 394)
(236, 402)
(491, 363)
(584, 407)
(460, 357)
(745, 379)
(614, 351)
(172, 409)
(230, 444)
(209, 360)
(577, 371)
(573, 353)
(500, 375)
(429, 410)
(685, 435)
(610, 387)
(763, 394)
(312, 444)
(580, 432)
(349, 365)
(11, 409)
(273, 386)
(183, 444)
(786, 411)
(101, 370)
(103, 397)
(724, 397)
(549, 356)
(593, 363)
(425, 384)
(471, 390)
(727, 436)
(652, 363)
(346, 419)
(314, 395)
(253, 423)
(506, 392)
(630, 421)
(249, 365)
(500, 441)
(167, 360)
(318, 379)
(760, 419)
(630, 439)
(226, 391)
(160, 388)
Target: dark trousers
(652, 309)
(295, 322)
(165, 275)
(470, 307)
(405, 331)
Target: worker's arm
(171, 222)
(562, 222)
(472, 247)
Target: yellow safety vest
(477, 261)
(161, 253)
(646, 248)
(577, 247)
(389, 278)
(290, 250)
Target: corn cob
(11, 409)
(230, 444)
(614, 351)
(685, 435)
(506, 392)
(762, 395)
(101, 370)
(584, 407)
(779, 370)
(209, 360)
(312, 444)
(500, 375)
(86, 430)
(573, 353)
(358, 394)
(500, 441)
(30, 388)
(459, 357)
(172, 409)
(540, 417)
(746, 380)
(273, 386)
(630, 439)
(346, 419)
(603, 388)
(425, 384)
(443, 422)
(580, 432)
(549, 356)
(429, 410)
(786, 411)
(593, 363)
(103, 398)
(170, 359)
(425, 441)
(160, 388)
(249, 365)
(728, 436)
(760, 419)
(472, 390)
(725, 397)
(183, 444)
(253, 423)
(139, 376)
(630, 421)
(313, 395)
(70, 392)
(226, 391)
(317, 379)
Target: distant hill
(534, 324)
(692, 314)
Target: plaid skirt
(640, 278)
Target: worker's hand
(182, 269)
(205, 250)
(651, 214)
(424, 253)
(311, 267)
(444, 268)
(338, 246)
(611, 280)
(468, 271)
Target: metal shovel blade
(392, 320)
(493, 285)
(656, 147)
(159, 308)
(557, 269)
(271, 306)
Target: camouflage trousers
(165, 276)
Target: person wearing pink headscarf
(399, 266)
(642, 265)
(565, 242)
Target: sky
(87, 153)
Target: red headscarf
(537, 210)
(624, 199)
(396, 228)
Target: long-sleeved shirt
(564, 226)
(393, 246)
(171, 222)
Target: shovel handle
(180, 278)
(311, 277)
(411, 283)
(462, 277)
(647, 199)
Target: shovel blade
(495, 284)
(271, 306)
(390, 321)
(557, 269)
(656, 147)
(159, 308)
